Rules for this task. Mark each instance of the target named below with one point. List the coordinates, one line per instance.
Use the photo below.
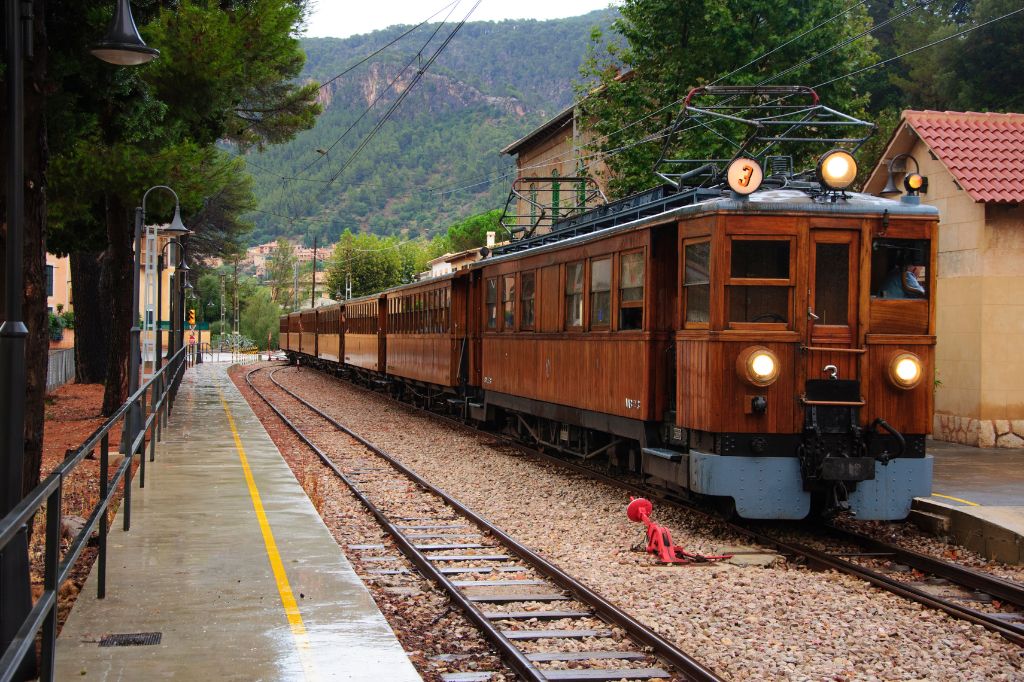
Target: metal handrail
(162, 388)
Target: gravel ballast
(780, 622)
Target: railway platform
(977, 498)
(227, 571)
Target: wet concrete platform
(230, 563)
(977, 498)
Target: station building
(972, 162)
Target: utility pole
(312, 296)
(222, 311)
(295, 288)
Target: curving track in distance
(485, 550)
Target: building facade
(972, 162)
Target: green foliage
(226, 72)
(374, 263)
(56, 326)
(260, 318)
(469, 233)
(493, 84)
(281, 272)
(674, 45)
(981, 71)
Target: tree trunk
(92, 318)
(37, 345)
(117, 291)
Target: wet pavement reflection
(198, 567)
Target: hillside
(494, 82)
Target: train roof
(613, 219)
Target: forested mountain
(494, 82)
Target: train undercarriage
(833, 467)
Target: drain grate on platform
(132, 639)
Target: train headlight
(837, 169)
(905, 370)
(758, 366)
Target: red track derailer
(659, 539)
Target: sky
(343, 18)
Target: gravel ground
(781, 622)
(910, 536)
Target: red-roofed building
(974, 163)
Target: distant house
(974, 164)
(58, 283)
(549, 160)
(452, 262)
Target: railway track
(504, 588)
(932, 582)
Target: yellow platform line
(956, 499)
(284, 588)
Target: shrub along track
(505, 589)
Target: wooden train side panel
(712, 396)
(549, 295)
(423, 357)
(908, 411)
(607, 372)
(899, 316)
(362, 350)
(382, 332)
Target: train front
(805, 357)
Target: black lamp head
(122, 45)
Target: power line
(378, 51)
(922, 47)
(394, 106)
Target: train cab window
(527, 295)
(832, 284)
(899, 268)
(760, 281)
(508, 302)
(574, 295)
(631, 290)
(492, 303)
(600, 292)
(697, 282)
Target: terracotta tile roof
(984, 152)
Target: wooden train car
(329, 337)
(593, 313)
(307, 332)
(292, 327)
(365, 339)
(427, 332)
(767, 347)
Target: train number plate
(848, 469)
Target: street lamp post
(160, 303)
(122, 45)
(176, 228)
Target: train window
(759, 304)
(508, 302)
(832, 284)
(899, 268)
(631, 290)
(600, 292)
(760, 259)
(492, 303)
(697, 282)
(768, 262)
(574, 294)
(527, 293)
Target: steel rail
(661, 648)
(1009, 591)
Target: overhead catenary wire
(405, 93)
(384, 47)
(380, 95)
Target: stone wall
(982, 433)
